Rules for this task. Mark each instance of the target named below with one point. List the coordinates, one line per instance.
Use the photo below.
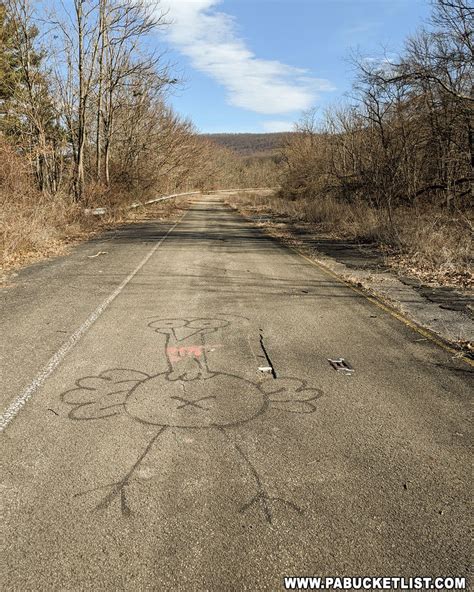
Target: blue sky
(255, 65)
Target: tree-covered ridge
(251, 144)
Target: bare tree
(81, 35)
(127, 23)
(33, 117)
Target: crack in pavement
(267, 357)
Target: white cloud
(278, 125)
(208, 37)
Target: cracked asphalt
(144, 449)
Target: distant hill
(251, 144)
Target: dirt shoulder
(445, 311)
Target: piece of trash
(270, 368)
(340, 365)
(53, 411)
(95, 211)
(97, 254)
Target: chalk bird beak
(182, 333)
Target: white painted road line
(15, 406)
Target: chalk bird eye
(167, 324)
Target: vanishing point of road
(171, 420)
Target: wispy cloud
(209, 38)
(383, 64)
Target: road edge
(375, 298)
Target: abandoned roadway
(172, 421)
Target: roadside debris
(95, 211)
(270, 368)
(97, 254)
(340, 365)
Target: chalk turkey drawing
(188, 396)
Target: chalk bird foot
(265, 504)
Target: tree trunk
(81, 132)
(98, 139)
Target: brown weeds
(425, 242)
(35, 225)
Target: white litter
(97, 254)
(95, 211)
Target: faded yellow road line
(394, 313)
(429, 335)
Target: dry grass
(435, 247)
(426, 243)
(32, 224)
(35, 226)
(166, 210)
(329, 215)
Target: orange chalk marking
(175, 354)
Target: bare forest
(85, 121)
(395, 164)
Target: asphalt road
(144, 449)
